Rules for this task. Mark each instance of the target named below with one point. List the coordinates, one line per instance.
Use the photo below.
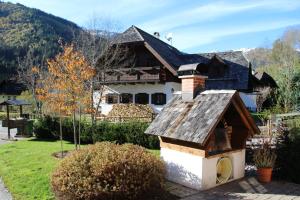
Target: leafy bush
(288, 152)
(46, 128)
(108, 171)
(120, 133)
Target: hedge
(120, 133)
(3, 115)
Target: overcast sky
(196, 26)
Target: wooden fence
(277, 123)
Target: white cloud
(211, 11)
(196, 36)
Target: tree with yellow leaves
(65, 88)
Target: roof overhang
(161, 59)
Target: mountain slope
(21, 27)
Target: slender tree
(54, 99)
(285, 60)
(66, 82)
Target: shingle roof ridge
(138, 32)
(144, 32)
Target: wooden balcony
(134, 75)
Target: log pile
(126, 112)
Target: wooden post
(8, 124)
(21, 111)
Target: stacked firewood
(131, 111)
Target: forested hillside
(22, 28)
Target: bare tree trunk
(93, 116)
(60, 134)
(99, 100)
(74, 130)
(79, 126)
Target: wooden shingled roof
(195, 121)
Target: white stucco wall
(249, 100)
(198, 172)
(183, 168)
(166, 88)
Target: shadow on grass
(34, 139)
(42, 140)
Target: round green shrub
(108, 171)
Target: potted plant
(264, 160)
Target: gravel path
(4, 193)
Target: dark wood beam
(243, 117)
(163, 61)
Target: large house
(152, 78)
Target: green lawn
(25, 167)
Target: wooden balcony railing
(129, 78)
(142, 74)
(149, 77)
(111, 78)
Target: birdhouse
(203, 133)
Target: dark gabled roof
(11, 87)
(235, 77)
(168, 53)
(229, 57)
(16, 102)
(195, 121)
(130, 35)
(264, 79)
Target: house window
(126, 98)
(158, 98)
(8, 97)
(111, 98)
(142, 98)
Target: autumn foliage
(65, 87)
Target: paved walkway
(3, 132)
(247, 188)
(4, 193)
